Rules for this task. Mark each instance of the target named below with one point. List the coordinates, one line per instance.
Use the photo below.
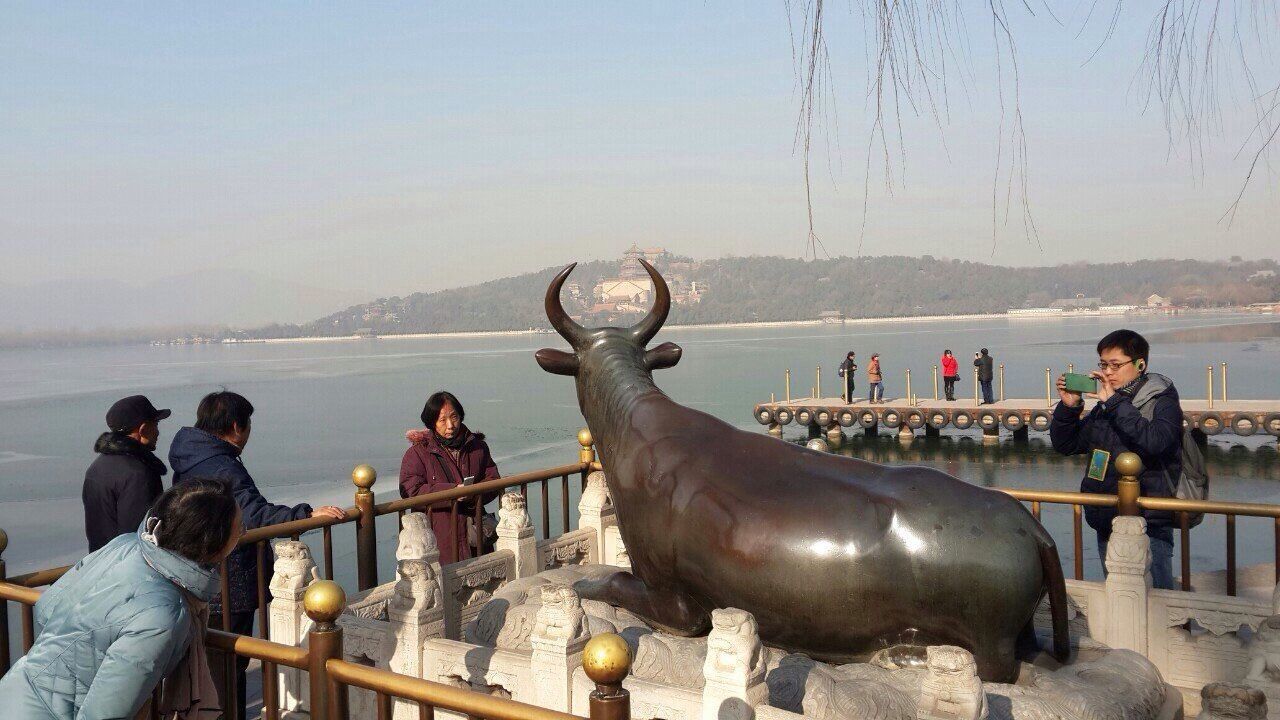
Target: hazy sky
(395, 148)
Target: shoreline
(699, 326)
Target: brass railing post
(817, 382)
(1224, 382)
(1208, 379)
(1048, 388)
(364, 477)
(1129, 465)
(1001, 382)
(4, 610)
(587, 454)
(975, 384)
(323, 603)
(787, 394)
(935, 382)
(606, 659)
(908, 386)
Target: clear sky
(392, 148)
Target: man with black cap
(124, 479)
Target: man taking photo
(1136, 411)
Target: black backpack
(1194, 481)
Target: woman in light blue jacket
(124, 617)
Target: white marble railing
(418, 625)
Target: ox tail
(1057, 586)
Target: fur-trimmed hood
(113, 443)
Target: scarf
(454, 443)
(189, 692)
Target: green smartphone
(1076, 382)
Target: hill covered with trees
(748, 289)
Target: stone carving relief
(293, 570)
(951, 690)
(560, 553)
(513, 513)
(417, 588)
(1128, 551)
(1224, 701)
(733, 647)
(478, 585)
(417, 541)
(560, 617)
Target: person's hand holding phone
(1105, 389)
(1069, 398)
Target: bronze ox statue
(837, 558)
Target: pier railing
(331, 675)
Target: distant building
(1035, 311)
(1079, 302)
(574, 290)
(834, 317)
(1154, 300)
(1116, 309)
(656, 255)
(1262, 275)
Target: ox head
(596, 349)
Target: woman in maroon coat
(444, 455)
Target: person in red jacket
(950, 374)
(444, 455)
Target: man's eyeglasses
(1113, 367)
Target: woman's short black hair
(1133, 345)
(946, 352)
(437, 401)
(221, 411)
(197, 517)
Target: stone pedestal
(735, 667)
(1128, 583)
(416, 613)
(293, 571)
(559, 634)
(515, 533)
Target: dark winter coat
(984, 364)
(195, 453)
(1117, 426)
(119, 487)
(429, 467)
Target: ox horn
(560, 320)
(644, 330)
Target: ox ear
(664, 356)
(557, 362)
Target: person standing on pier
(847, 370)
(875, 380)
(212, 449)
(950, 374)
(986, 373)
(124, 479)
(1137, 411)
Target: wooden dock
(1238, 417)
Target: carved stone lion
(561, 616)
(733, 647)
(513, 513)
(294, 568)
(1264, 652)
(417, 541)
(417, 588)
(952, 690)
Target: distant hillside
(774, 289)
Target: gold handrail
(463, 491)
(437, 694)
(257, 648)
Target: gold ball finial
(1129, 464)
(324, 601)
(4, 541)
(584, 437)
(606, 659)
(364, 476)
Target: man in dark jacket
(1115, 425)
(124, 479)
(212, 449)
(984, 362)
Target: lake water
(321, 408)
